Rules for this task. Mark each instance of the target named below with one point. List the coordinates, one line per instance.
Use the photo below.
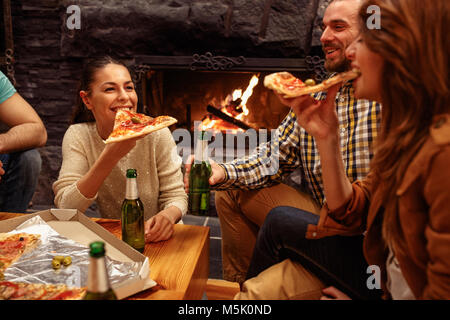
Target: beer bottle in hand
(133, 214)
(199, 192)
(98, 287)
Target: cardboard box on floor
(74, 225)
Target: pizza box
(74, 225)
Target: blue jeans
(337, 260)
(19, 182)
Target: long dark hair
(413, 41)
(81, 113)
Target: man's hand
(217, 175)
(318, 118)
(331, 293)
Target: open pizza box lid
(74, 225)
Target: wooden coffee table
(180, 265)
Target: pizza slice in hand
(289, 86)
(129, 125)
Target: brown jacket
(424, 212)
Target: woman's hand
(117, 150)
(91, 182)
(331, 293)
(160, 226)
(318, 118)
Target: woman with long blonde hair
(403, 206)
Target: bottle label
(131, 190)
(97, 276)
(204, 202)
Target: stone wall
(48, 56)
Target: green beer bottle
(199, 192)
(98, 287)
(133, 214)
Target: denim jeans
(19, 182)
(336, 260)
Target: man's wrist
(225, 176)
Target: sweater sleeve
(74, 166)
(171, 186)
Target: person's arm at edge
(26, 128)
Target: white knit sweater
(160, 181)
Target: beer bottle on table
(199, 191)
(133, 214)
(98, 287)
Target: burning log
(229, 119)
(234, 107)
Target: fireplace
(224, 95)
(187, 96)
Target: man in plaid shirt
(251, 189)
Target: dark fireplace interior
(186, 95)
(187, 56)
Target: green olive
(58, 258)
(135, 120)
(67, 261)
(310, 82)
(56, 264)
(2, 276)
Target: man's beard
(337, 66)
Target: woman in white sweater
(94, 171)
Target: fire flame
(212, 122)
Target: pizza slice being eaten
(129, 125)
(13, 246)
(287, 85)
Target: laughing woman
(403, 205)
(92, 171)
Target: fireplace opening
(235, 101)
(233, 105)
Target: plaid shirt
(292, 147)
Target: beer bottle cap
(97, 249)
(131, 173)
